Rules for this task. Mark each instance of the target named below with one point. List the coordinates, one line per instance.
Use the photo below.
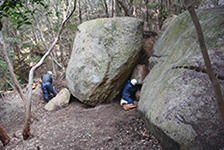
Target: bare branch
(43, 39)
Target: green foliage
(154, 5)
(32, 60)
(4, 72)
(3, 65)
(27, 45)
(72, 26)
(68, 43)
(16, 11)
(12, 40)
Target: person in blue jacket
(46, 85)
(128, 91)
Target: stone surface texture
(61, 100)
(105, 51)
(178, 103)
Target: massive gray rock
(61, 100)
(104, 53)
(177, 99)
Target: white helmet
(49, 72)
(134, 82)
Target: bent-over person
(127, 94)
(46, 85)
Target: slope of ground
(75, 127)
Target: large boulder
(61, 100)
(104, 53)
(177, 98)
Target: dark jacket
(47, 78)
(128, 90)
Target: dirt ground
(75, 127)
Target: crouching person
(46, 85)
(127, 94)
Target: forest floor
(75, 127)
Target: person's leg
(130, 100)
(45, 92)
(51, 88)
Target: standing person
(46, 85)
(127, 93)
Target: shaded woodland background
(30, 27)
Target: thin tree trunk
(112, 3)
(149, 25)
(52, 62)
(106, 8)
(59, 40)
(7, 28)
(215, 83)
(11, 70)
(131, 7)
(125, 7)
(26, 131)
(62, 53)
(4, 136)
(160, 16)
(179, 7)
(80, 12)
(117, 8)
(86, 11)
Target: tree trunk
(106, 8)
(131, 9)
(160, 16)
(117, 8)
(62, 52)
(26, 131)
(4, 137)
(80, 12)
(112, 3)
(11, 70)
(215, 83)
(148, 23)
(125, 7)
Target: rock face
(62, 99)
(104, 53)
(177, 100)
(139, 73)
